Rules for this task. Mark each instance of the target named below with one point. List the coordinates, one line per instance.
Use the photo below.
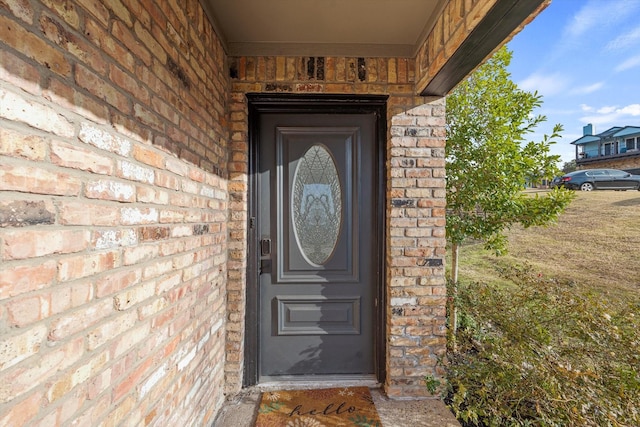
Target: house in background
(616, 148)
(203, 195)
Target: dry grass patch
(549, 335)
(596, 244)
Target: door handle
(265, 251)
(265, 266)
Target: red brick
(83, 213)
(117, 281)
(71, 296)
(67, 155)
(24, 377)
(101, 89)
(167, 180)
(19, 73)
(150, 42)
(70, 379)
(98, 384)
(133, 295)
(122, 33)
(15, 144)
(17, 37)
(148, 117)
(24, 412)
(97, 34)
(119, 10)
(66, 10)
(66, 96)
(168, 112)
(69, 406)
(97, 9)
(129, 84)
(37, 180)
(87, 265)
(151, 309)
(132, 379)
(123, 412)
(35, 243)
(78, 320)
(17, 348)
(140, 12)
(139, 254)
(107, 331)
(19, 279)
(149, 156)
(152, 195)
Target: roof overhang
(362, 28)
(502, 21)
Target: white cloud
(626, 40)
(587, 89)
(597, 14)
(547, 85)
(586, 108)
(629, 63)
(632, 110)
(606, 110)
(613, 116)
(583, 21)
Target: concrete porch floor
(241, 411)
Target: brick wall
(455, 24)
(624, 163)
(113, 213)
(415, 240)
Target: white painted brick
(104, 140)
(116, 190)
(184, 362)
(136, 172)
(139, 216)
(207, 192)
(395, 302)
(16, 108)
(153, 379)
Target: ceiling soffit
(363, 28)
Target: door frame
(260, 103)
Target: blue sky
(583, 57)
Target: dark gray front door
(318, 245)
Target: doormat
(329, 407)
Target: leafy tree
(489, 162)
(569, 166)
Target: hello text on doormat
(330, 407)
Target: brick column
(415, 282)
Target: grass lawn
(549, 335)
(596, 244)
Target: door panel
(318, 282)
(600, 179)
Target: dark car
(601, 179)
(555, 182)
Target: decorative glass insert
(317, 205)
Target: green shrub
(544, 353)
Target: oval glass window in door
(317, 205)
